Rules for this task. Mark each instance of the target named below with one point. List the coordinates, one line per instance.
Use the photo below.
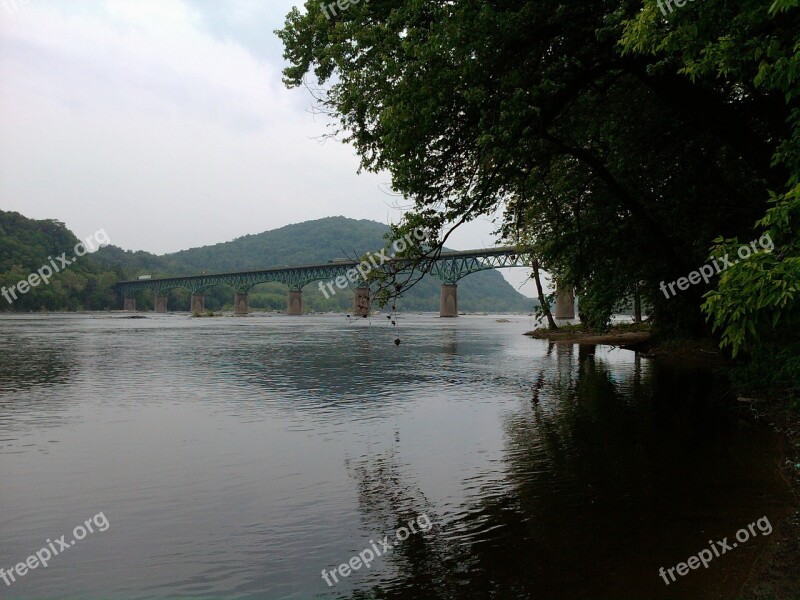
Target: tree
(622, 160)
(755, 48)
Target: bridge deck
(330, 265)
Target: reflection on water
(237, 458)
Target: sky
(166, 124)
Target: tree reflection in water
(608, 468)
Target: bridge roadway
(338, 274)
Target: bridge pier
(198, 304)
(129, 304)
(448, 301)
(294, 307)
(361, 303)
(160, 304)
(240, 304)
(565, 303)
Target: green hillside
(31, 247)
(25, 245)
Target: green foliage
(539, 312)
(773, 367)
(26, 245)
(622, 142)
(759, 294)
(753, 49)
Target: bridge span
(448, 267)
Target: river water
(239, 457)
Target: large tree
(618, 140)
(754, 48)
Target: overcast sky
(165, 123)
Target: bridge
(448, 267)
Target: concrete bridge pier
(240, 304)
(198, 304)
(448, 301)
(294, 307)
(362, 304)
(160, 304)
(129, 304)
(565, 303)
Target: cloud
(246, 22)
(165, 122)
(145, 60)
(122, 114)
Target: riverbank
(776, 573)
(637, 337)
(618, 335)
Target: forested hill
(309, 242)
(28, 246)
(302, 243)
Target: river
(242, 457)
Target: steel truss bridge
(449, 267)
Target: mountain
(315, 241)
(31, 251)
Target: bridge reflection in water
(448, 267)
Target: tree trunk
(551, 323)
(637, 304)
